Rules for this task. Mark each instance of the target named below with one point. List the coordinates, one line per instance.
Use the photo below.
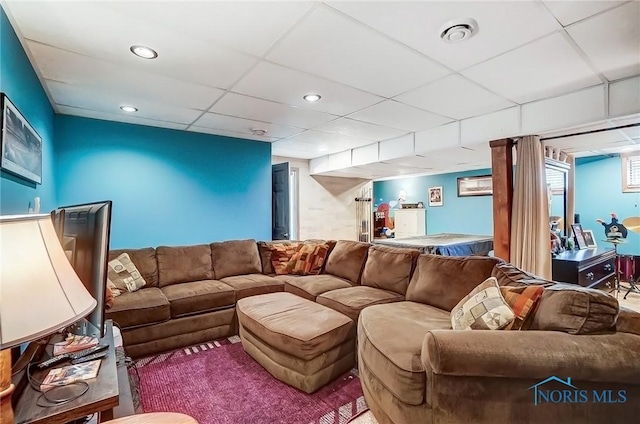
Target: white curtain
(530, 233)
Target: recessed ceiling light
(129, 109)
(458, 30)
(144, 52)
(312, 97)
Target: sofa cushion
(123, 276)
(143, 307)
(294, 325)
(182, 264)
(144, 260)
(522, 301)
(308, 259)
(198, 296)
(235, 257)
(389, 268)
(575, 310)
(628, 321)
(253, 284)
(275, 255)
(346, 260)
(311, 286)
(352, 300)
(390, 343)
(441, 281)
(483, 308)
(510, 275)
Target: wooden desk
(102, 395)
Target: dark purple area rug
(218, 383)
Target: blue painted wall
(168, 187)
(19, 82)
(468, 215)
(598, 193)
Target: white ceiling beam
(397, 147)
(624, 97)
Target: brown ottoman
(299, 342)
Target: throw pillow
(308, 259)
(281, 254)
(123, 276)
(108, 300)
(483, 309)
(522, 301)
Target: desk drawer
(597, 274)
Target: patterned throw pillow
(483, 309)
(308, 259)
(281, 254)
(123, 276)
(522, 301)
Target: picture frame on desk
(578, 234)
(589, 239)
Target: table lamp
(40, 293)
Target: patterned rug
(218, 383)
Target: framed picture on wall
(475, 186)
(21, 145)
(436, 196)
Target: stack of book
(74, 343)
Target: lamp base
(6, 387)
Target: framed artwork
(589, 238)
(21, 144)
(475, 186)
(436, 196)
(579, 236)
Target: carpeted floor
(218, 383)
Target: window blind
(555, 180)
(633, 171)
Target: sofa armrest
(613, 357)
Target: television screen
(85, 231)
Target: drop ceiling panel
(107, 34)
(90, 99)
(365, 154)
(333, 46)
(624, 97)
(482, 129)
(329, 141)
(284, 85)
(399, 115)
(129, 119)
(455, 97)
(568, 12)
(398, 147)
(360, 129)
(502, 26)
(587, 141)
(263, 110)
(234, 134)
(295, 150)
(243, 126)
(547, 67)
(437, 138)
(616, 53)
(70, 70)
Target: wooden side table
(155, 418)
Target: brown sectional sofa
(413, 366)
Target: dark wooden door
(280, 201)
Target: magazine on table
(70, 374)
(74, 343)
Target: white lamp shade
(40, 293)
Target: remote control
(89, 358)
(52, 361)
(91, 350)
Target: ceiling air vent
(459, 30)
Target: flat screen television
(84, 232)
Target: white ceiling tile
(330, 45)
(502, 26)
(128, 119)
(624, 97)
(365, 154)
(263, 110)
(455, 97)
(327, 141)
(274, 82)
(437, 138)
(547, 67)
(107, 33)
(583, 106)
(340, 160)
(243, 126)
(398, 147)
(89, 98)
(568, 12)
(591, 141)
(398, 115)
(70, 69)
(612, 40)
(482, 129)
(294, 150)
(233, 134)
(360, 129)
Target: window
(631, 172)
(555, 181)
